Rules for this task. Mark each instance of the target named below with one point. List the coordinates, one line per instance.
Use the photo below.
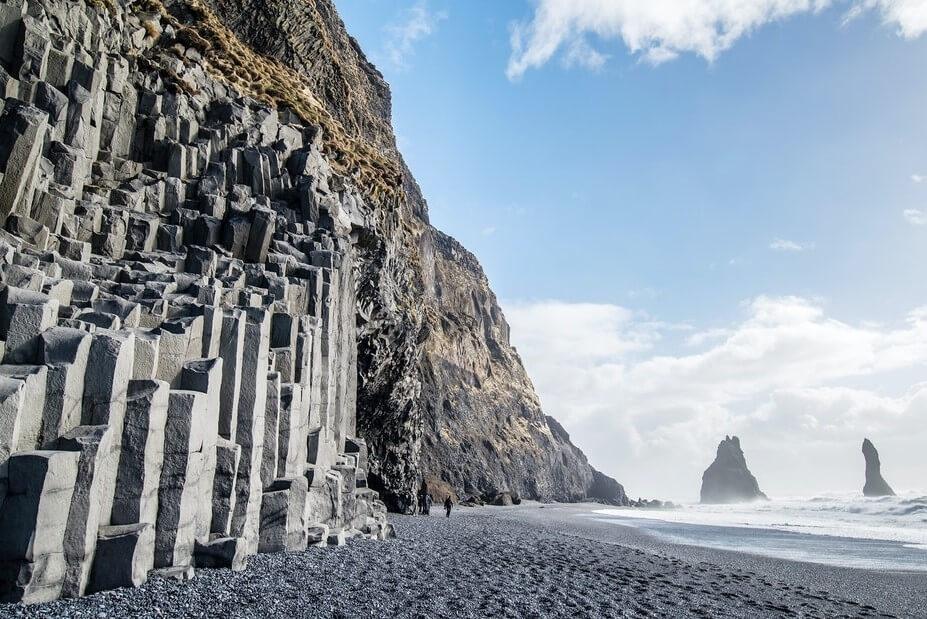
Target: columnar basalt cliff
(217, 274)
(179, 360)
(728, 480)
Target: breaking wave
(900, 518)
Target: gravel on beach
(484, 562)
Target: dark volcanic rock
(441, 392)
(606, 490)
(503, 499)
(728, 480)
(178, 297)
(875, 485)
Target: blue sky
(725, 205)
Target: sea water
(842, 530)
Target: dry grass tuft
(153, 29)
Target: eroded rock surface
(728, 480)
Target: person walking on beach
(447, 505)
(424, 501)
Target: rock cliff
(442, 394)
(217, 276)
(182, 229)
(728, 480)
(484, 430)
(875, 485)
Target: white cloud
(581, 54)
(908, 16)
(789, 246)
(915, 217)
(417, 23)
(488, 231)
(701, 338)
(660, 30)
(782, 378)
(597, 332)
(917, 178)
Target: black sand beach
(512, 562)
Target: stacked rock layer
(177, 313)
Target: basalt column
(177, 310)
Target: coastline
(802, 546)
(898, 592)
(529, 560)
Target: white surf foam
(900, 519)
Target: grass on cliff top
(275, 84)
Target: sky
(701, 218)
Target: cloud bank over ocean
(788, 378)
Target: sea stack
(728, 480)
(875, 485)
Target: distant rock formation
(875, 485)
(728, 480)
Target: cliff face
(216, 273)
(309, 38)
(192, 181)
(188, 239)
(442, 394)
(484, 428)
(728, 480)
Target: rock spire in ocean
(728, 480)
(875, 485)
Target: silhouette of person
(424, 500)
(448, 503)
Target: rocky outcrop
(875, 486)
(728, 480)
(179, 268)
(604, 489)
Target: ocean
(888, 533)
